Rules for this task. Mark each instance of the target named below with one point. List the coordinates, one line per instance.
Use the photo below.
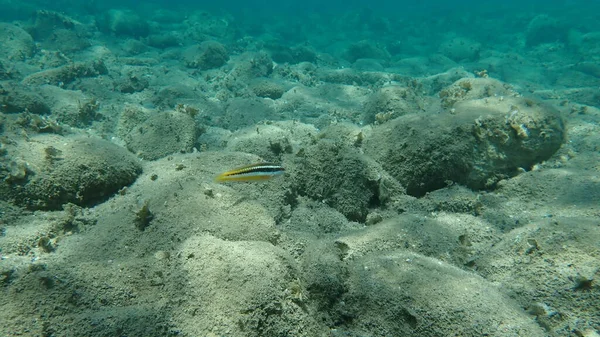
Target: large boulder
(390, 102)
(341, 177)
(17, 44)
(400, 293)
(15, 98)
(207, 55)
(460, 49)
(48, 171)
(477, 144)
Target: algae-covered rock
(482, 142)
(66, 74)
(57, 31)
(365, 50)
(162, 134)
(292, 55)
(510, 136)
(421, 151)
(5, 72)
(171, 95)
(461, 49)
(70, 107)
(164, 40)
(368, 65)
(324, 274)
(49, 171)
(17, 44)
(187, 196)
(474, 88)
(252, 65)
(246, 288)
(267, 141)
(266, 88)
(545, 29)
(133, 79)
(207, 55)
(339, 176)
(15, 98)
(390, 102)
(407, 294)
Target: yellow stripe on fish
(262, 171)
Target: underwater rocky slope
(432, 188)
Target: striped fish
(261, 171)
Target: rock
(162, 134)
(267, 88)
(70, 107)
(460, 49)
(133, 79)
(187, 195)
(544, 29)
(17, 44)
(207, 55)
(66, 74)
(338, 176)
(164, 40)
(16, 98)
(510, 136)
(365, 50)
(316, 219)
(292, 55)
(5, 71)
(266, 141)
(49, 171)
(253, 65)
(482, 142)
(247, 288)
(407, 294)
(57, 31)
(368, 65)
(171, 95)
(390, 102)
(474, 88)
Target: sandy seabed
(438, 182)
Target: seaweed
(143, 216)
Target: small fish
(262, 171)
